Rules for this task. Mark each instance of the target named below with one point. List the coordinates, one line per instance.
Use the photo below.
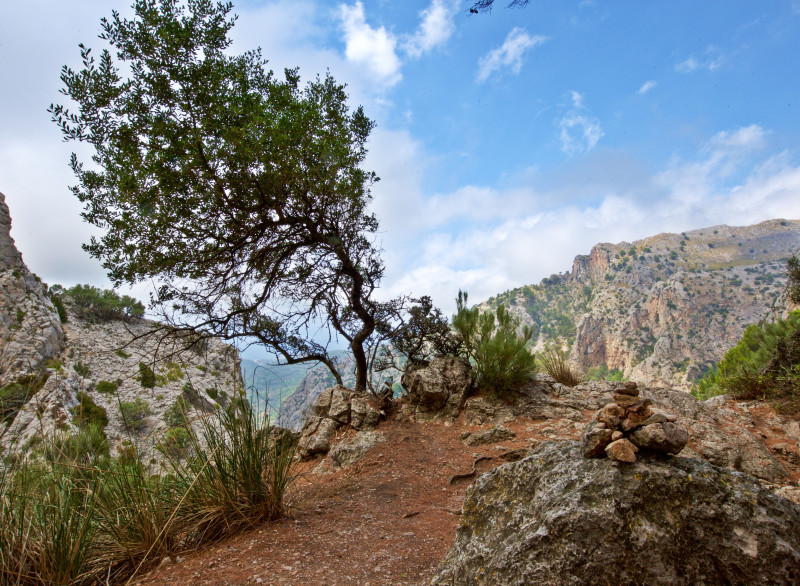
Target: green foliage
(106, 387)
(603, 373)
(501, 357)
(87, 412)
(177, 414)
(134, 413)
(207, 168)
(764, 364)
(96, 304)
(793, 279)
(555, 363)
(58, 303)
(81, 369)
(177, 442)
(121, 353)
(14, 395)
(146, 376)
(239, 479)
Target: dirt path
(388, 519)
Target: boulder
(316, 436)
(439, 388)
(363, 416)
(498, 433)
(348, 452)
(558, 518)
(666, 437)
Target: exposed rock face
(350, 451)
(112, 352)
(335, 407)
(439, 389)
(558, 518)
(661, 309)
(494, 434)
(30, 330)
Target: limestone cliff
(30, 330)
(663, 309)
(46, 366)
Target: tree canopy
(241, 193)
(479, 6)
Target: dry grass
(554, 362)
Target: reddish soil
(388, 519)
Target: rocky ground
(391, 517)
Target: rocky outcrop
(437, 390)
(351, 450)
(335, 408)
(558, 518)
(663, 309)
(105, 361)
(30, 329)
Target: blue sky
(507, 143)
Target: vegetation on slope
(69, 519)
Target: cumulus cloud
(646, 87)
(373, 48)
(436, 27)
(510, 55)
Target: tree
(241, 194)
(792, 292)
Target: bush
(177, 414)
(106, 387)
(87, 412)
(491, 340)
(81, 369)
(765, 364)
(555, 364)
(134, 413)
(96, 304)
(146, 376)
(13, 396)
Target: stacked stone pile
(627, 424)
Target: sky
(507, 143)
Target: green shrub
(121, 353)
(14, 395)
(106, 387)
(134, 413)
(87, 412)
(212, 392)
(603, 373)
(177, 414)
(81, 369)
(500, 354)
(146, 376)
(765, 364)
(555, 364)
(96, 304)
(58, 303)
(176, 442)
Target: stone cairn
(627, 424)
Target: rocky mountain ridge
(664, 309)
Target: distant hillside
(663, 309)
(268, 383)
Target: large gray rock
(558, 518)
(438, 389)
(348, 452)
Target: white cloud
(578, 132)
(510, 55)
(646, 87)
(436, 28)
(372, 48)
(487, 240)
(711, 60)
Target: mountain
(661, 310)
(269, 384)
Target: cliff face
(663, 309)
(46, 366)
(30, 330)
